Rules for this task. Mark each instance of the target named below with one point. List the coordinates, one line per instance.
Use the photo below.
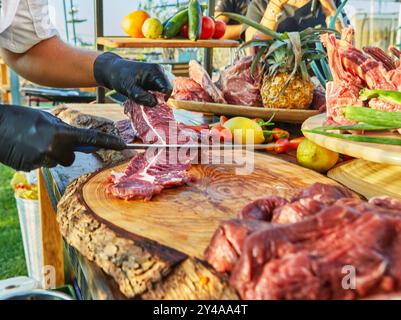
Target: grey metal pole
(99, 27)
(208, 53)
(67, 31)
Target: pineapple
(286, 59)
(298, 93)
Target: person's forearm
(54, 63)
(233, 32)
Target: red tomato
(294, 143)
(184, 31)
(283, 145)
(219, 29)
(207, 28)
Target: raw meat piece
(344, 89)
(188, 90)
(146, 177)
(309, 202)
(305, 260)
(297, 211)
(125, 130)
(200, 76)
(150, 172)
(157, 124)
(319, 100)
(239, 86)
(386, 202)
(325, 193)
(226, 244)
(262, 209)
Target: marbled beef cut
(238, 84)
(150, 172)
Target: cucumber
(172, 26)
(195, 20)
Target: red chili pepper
(223, 120)
(282, 146)
(294, 143)
(281, 134)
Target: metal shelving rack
(117, 42)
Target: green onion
(372, 116)
(385, 95)
(357, 127)
(358, 138)
(241, 19)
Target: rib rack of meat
(353, 70)
(306, 257)
(151, 172)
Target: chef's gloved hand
(130, 78)
(30, 139)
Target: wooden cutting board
(369, 179)
(282, 115)
(379, 153)
(175, 227)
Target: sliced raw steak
(188, 90)
(200, 76)
(239, 86)
(306, 260)
(148, 176)
(150, 172)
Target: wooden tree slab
(154, 249)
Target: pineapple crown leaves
(289, 52)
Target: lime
(245, 131)
(312, 156)
(152, 28)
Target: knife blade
(220, 146)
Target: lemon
(245, 131)
(152, 28)
(312, 156)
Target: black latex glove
(131, 78)
(30, 139)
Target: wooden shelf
(126, 42)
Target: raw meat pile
(300, 249)
(239, 86)
(353, 70)
(235, 86)
(151, 172)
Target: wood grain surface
(283, 115)
(380, 153)
(126, 42)
(144, 245)
(369, 179)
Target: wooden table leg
(52, 244)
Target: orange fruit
(132, 23)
